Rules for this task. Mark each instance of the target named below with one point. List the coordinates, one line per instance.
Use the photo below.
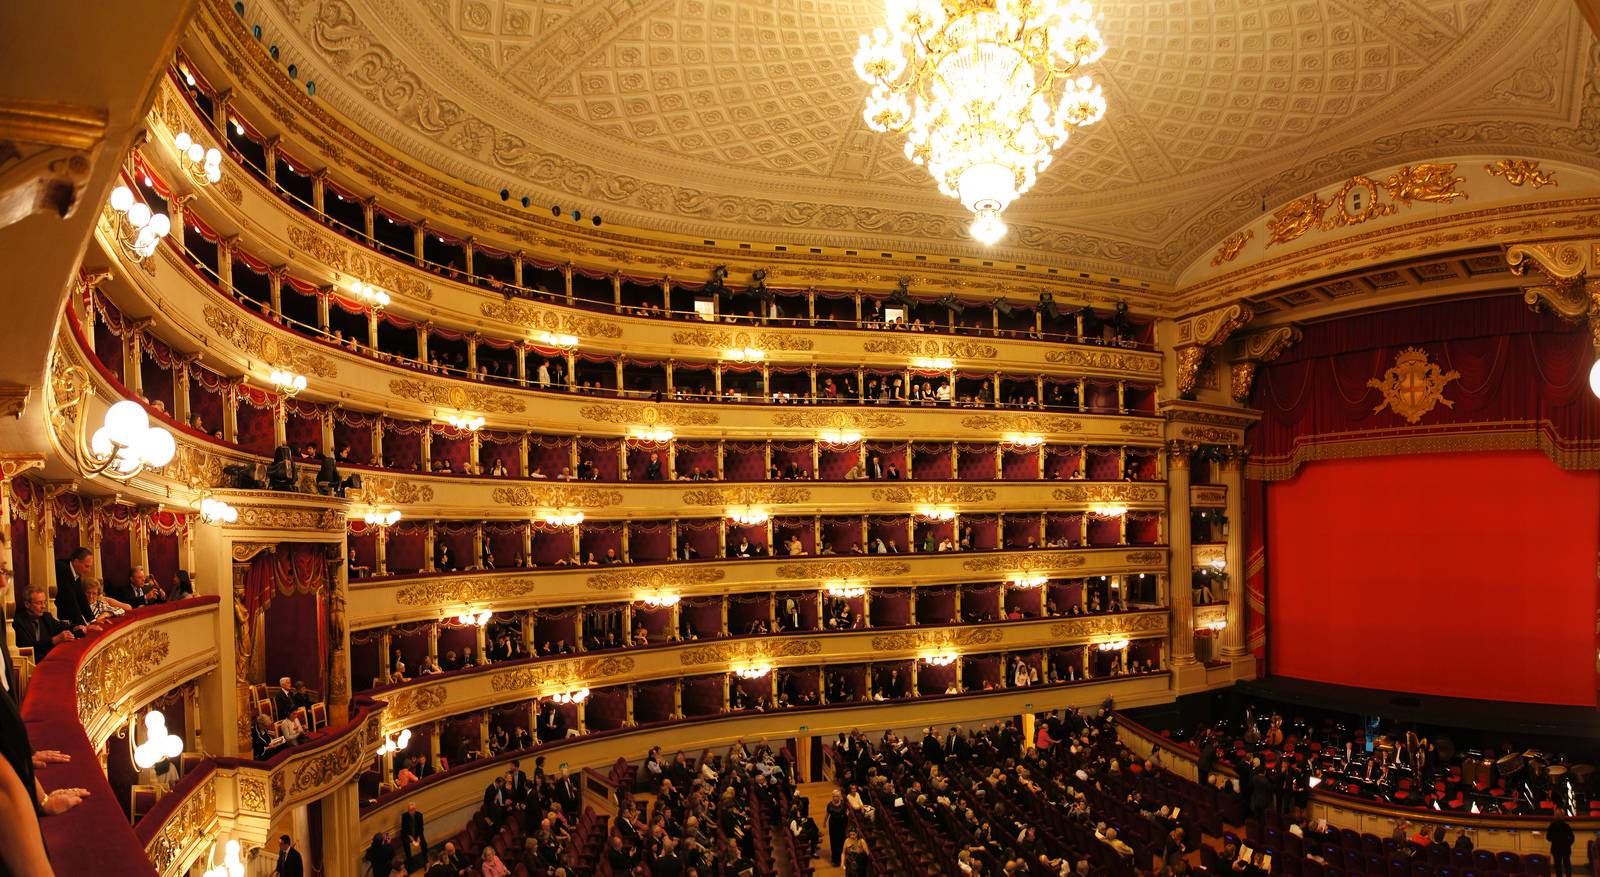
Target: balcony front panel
(143, 659)
(387, 601)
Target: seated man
(140, 590)
(36, 628)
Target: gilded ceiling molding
(1568, 272)
(1255, 349)
(1231, 246)
(1521, 171)
(47, 150)
(1199, 335)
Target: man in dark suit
(72, 606)
(283, 698)
(289, 863)
(413, 838)
(36, 628)
(139, 591)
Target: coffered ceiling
(741, 118)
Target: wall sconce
(126, 445)
(932, 513)
(844, 590)
(1115, 645)
(215, 511)
(744, 354)
(1216, 626)
(370, 295)
(232, 864)
(577, 695)
(748, 516)
(933, 363)
(559, 340)
(1029, 581)
(1108, 510)
(376, 518)
(138, 229)
(205, 165)
(461, 421)
(1220, 564)
(475, 619)
(839, 438)
(754, 671)
(287, 382)
(651, 434)
(562, 518)
(941, 659)
(1024, 440)
(393, 743)
(158, 745)
(659, 600)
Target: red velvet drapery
(286, 591)
(1522, 384)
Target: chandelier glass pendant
(985, 91)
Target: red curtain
(1522, 374)
(743, 461)
(649, 541)
(976, 462)
(116, 561)
(285, 591)
(255, 428)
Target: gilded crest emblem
(1413, 386)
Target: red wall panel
(1465, 575)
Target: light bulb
(139, 214)
(986, 227)
(157, 447)
(196, 153)
(213, 157)
(1594, 378)
(160, 225)
(121, 199)
(182, 141)
(126, 421)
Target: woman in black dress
(838, 821)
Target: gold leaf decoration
(655, 579)
(465, 590)
(557, 496)
(102, 679)
(585, 671)
(1520, 171)
(757, 650)
(1111, 626)
(930, 347)
(252, 517)
(381, 490)
(253, 795)
(407, 701)
(1212, 435)
(1114, 492)
(1140, 427)
(353, 260)
(534, 318)
(937, 494)
(1433, 182)
(1025, 423)
(723, 496)
(1144, 557)
(1231, 246)
(450, 394)
(714, 339)
(1146, 363)
(263, 344)
(937, 639)
(1413, 385)
(647, 415)
(837, 420)
(826, 570)
(1040, 560)
(188, 826)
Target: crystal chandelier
(983, 90)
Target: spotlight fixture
(505, 194)
(287, 382)
(526, 201)
(215, 511)
(158, 745)
(596, 221)
(555, 210)
(139, 229)
(577, 215)
(126, 445)
(204, 165)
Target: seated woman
(264, 741)
(101, 606)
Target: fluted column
(341, 826)
(1181, 562)
(1233, 636)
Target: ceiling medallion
(984, 92)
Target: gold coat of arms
(1413, 386)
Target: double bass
(1275, 733)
